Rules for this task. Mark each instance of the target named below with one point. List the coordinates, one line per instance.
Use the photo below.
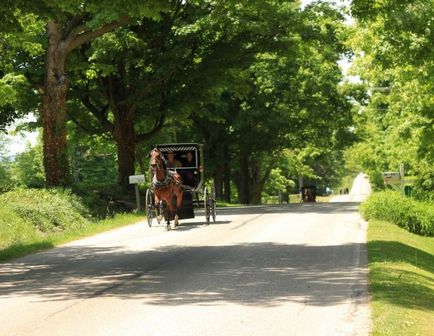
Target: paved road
(297, 269)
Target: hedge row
(47, 210)
(392, 206)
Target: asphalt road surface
(297, 269)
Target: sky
(19, 142)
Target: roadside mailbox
(392, 178)
(136, 179)
(396, 180)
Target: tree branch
(157, 126)
(100, 114)
(86, 127)
(75, 40)
(107, 84)
(72, 25)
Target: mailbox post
(136, 179)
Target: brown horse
(167, 187)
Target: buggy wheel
(213, 205)
(150, 208)
(207, 204)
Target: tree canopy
(252, 80)
(393, 42)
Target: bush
(47, 210)
(415, 216)
(13, 229)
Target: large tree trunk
(256, 183)
(227, 174)
(218, 185)
(243, 183)
(125, 137)
(250, 179)
(61, 41)
(53, 114)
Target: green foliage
(416, 217)
(278, 182)
(216, 67)
(393, 43)
(52, 210)
(93, 159)
(27, 169)
(93, 166)
(14, 98)
(6, 182)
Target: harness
(164, 183)
(168, 178)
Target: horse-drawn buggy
(178, 185)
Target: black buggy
(188, 162)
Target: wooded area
(257, 82)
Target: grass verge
(401, 280)
(22, 239)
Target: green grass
(324, 199)
(222, 204)
(19, 238)
(292, 198)
(401, 280)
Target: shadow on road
(264, 274)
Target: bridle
(160, 164)
(158, 158)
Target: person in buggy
(172, 162)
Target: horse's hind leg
(173, 211)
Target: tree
(27, 168)
(5, 176)
(292, 99)
(68, 25)
(16, 98)
(394, 45)
(164, 70)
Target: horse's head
(156, 161)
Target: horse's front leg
(157, 205)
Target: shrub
(47, 210)
(415, 216)
(13, 229)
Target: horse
(167, 186)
